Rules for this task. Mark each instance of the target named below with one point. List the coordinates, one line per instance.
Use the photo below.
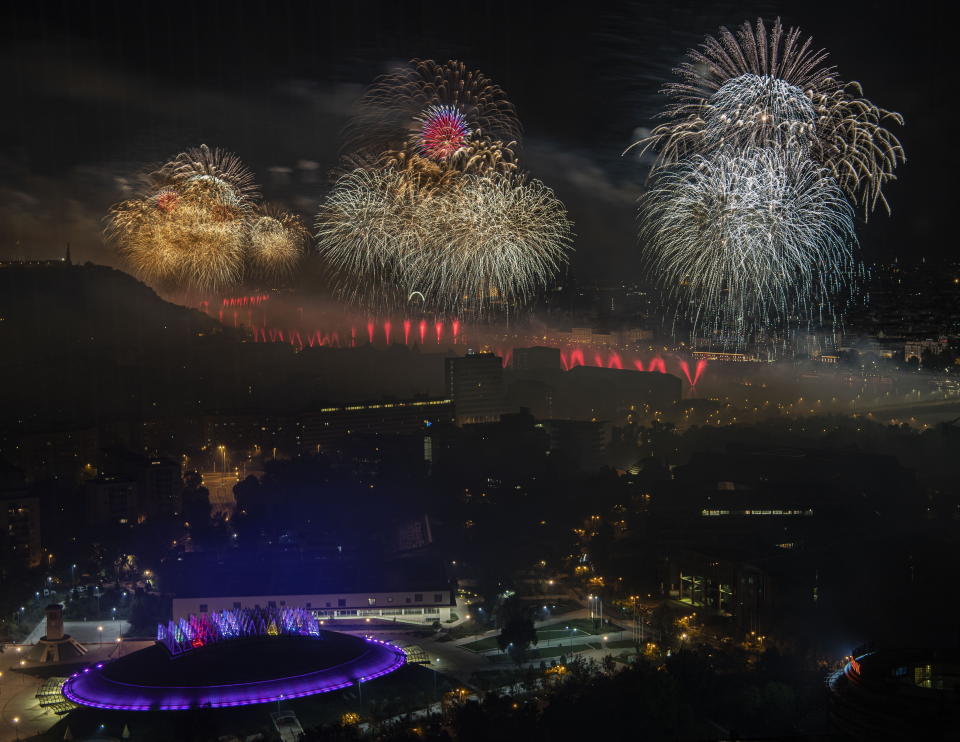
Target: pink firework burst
(443, 131)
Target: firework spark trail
(749, 240)
(763, 88)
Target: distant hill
(86, 344)
(83, 341)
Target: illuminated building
(331, 424)
(330, 588)
(233, 658)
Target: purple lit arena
(233, 658)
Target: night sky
(93, 92)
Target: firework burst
(772, 88)
(443, 132)
(197, 225)
(470, 242)
(499, 240)
(752, 240)
(430, 108)
(433, 203)
(278, 241)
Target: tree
(516, 629)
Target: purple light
(197, 631)
(95, 689)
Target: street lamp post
(100, 629)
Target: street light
(16, 726)
(100, 629)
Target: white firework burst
(751, 240)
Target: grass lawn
(559, 631)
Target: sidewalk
(18, 688)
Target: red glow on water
(614, 361)
(507, 357)
(576, 358)
(245, 301)
(685, 367)
(353, 337)
(236, 323)
(439, 329)
(657, 364)
(386, 331)
(456, 330)
(638, 365)
(597, 360)
(370, 331)
(423, 331)
(406, 332)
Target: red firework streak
(406, 332)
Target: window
(203, 607)
(438, 597)
(341, 603)
(371, 601)
(236, 605)
(390, 599)
(418, 597)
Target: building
(475, 385)
(916, 348)
(537, 359)
(726, 582)
(131, 488)
(896, 694)
(112, 500)
(580, 445)
(329, 425)
(19, 521)
(331, 588)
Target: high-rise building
(475, 384)
(19, 520)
